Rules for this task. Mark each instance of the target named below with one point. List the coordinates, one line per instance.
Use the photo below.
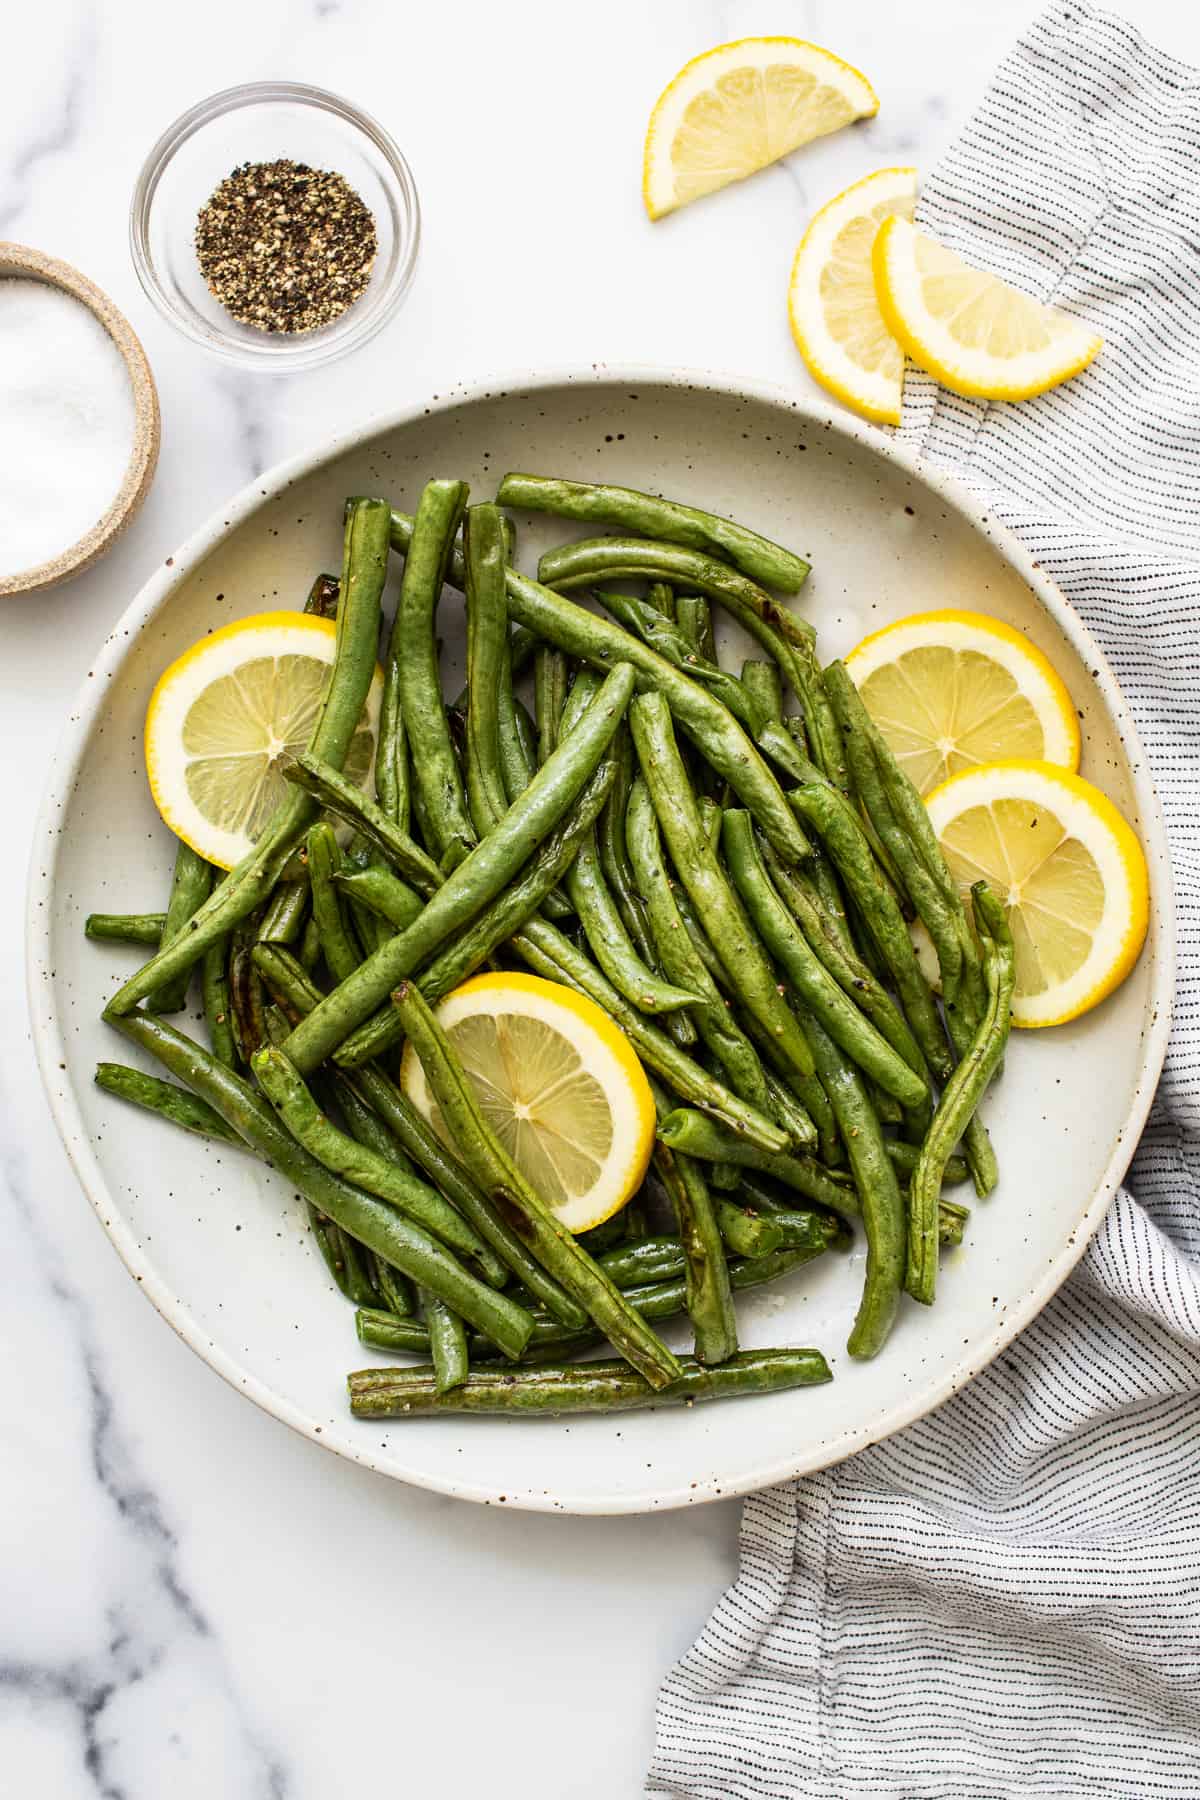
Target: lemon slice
(741, 106)
(979, 336)
(225, 715)
(832, 306)
(559, 1085)
(1069, 870)
(949, 690)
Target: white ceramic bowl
(218, 1243)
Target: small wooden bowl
(16, 259)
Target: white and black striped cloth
(1004, 1600)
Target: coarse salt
(67, 422)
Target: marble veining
(194, 1603)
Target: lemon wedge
(832, 305)
(1069, 870)
(223, 718)
(979, 336)
(559, 1085)
(733, 110)
(950, 689)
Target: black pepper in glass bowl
(285, 247)
(276, 225)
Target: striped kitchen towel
(1004, 1600)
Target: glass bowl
(260, 122)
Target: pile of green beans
(609, 806)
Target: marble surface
(192, 1600)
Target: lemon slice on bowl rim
(1068, 869)
(225, 715)
(950, 689)
(833, 309)
(739, 107)
(976, 334)
(557, 1081)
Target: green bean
(521, 900)
(690, 1132)
(489, 1163)
(283, 921)
(848, 1027)
(549, 953)
(847, 969)
(448, 1175)
(365, 1124)
(694, 616)
(905, 1158)
(747, 1232)
(646, 1259)
(393, 784)
(962, 1093)
(356, 1281)
(793, 1116)
(679, 958)
(614, 850)
(340, 796)
(903, 822)
(249, 884)
(707, 1293)
(912, 818)
(549, 697)
(383, 1175)
(310, 946)
(421, 1143)
(761, 681)
(125, 928)
(668, 641)
(696, 863)
(214, 982)
(878, 1191)
(287, 978)
(190, 888)
(661, 596)
(898, 855)
(798, 1228)
(447, 1346)
(413, 653)
(368, 1220)
(170, 1102)
(643, 514)
(331, 1244)
(487, 655)
(579, 1388)
(245, 993)
(828, 813)
(656, 1300)
(589, 560)
(718, 736)
(609, 941)
(515, 746)
(395, 1290)
(324, 864)
(388, 1331)
(471, 886)
(951, 1220)
(323, 597)
(381, 893)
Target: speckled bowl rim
(21, 261)
(50, 1046)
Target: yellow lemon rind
(1128, 854)
(918, 349)
(815, 358)
(685, 78)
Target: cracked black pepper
(284, 247)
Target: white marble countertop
(193, 1601)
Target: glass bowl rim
(233, 99)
